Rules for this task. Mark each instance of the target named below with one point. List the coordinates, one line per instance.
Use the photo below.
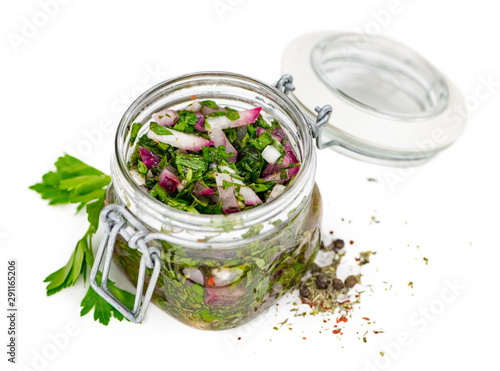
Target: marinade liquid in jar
(219, 271)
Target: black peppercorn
(350, 282)
(304, 292)
(339, 244)
(322, 282)
(314, 268)
(338, 284)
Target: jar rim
(184, 219)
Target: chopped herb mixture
(212, 160)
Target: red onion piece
(250, 196)
(227, 196)
(260, 131)
(168, 180)
(219, 139)
(276, 175)
(200, 124)
(273, 168)
(194, 107)
(279, 133)
(166, 117)
(289, 152)
(149, 158)
(138, 178)
(246, 117)
(271, 154)
(181, 140)
(277, 190)
(200, 189)
(249, 116)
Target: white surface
(76, 76)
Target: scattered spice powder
(325, 293)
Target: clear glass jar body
(219, 271)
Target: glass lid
(389, 104)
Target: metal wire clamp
(285, 85)
(118, 221)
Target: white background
(80, 70)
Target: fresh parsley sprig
(75, 182)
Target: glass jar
(219, 271)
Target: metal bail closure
(285, 85)
(118, 221)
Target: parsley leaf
(73, 182)
(212, 154)
(103, 311)
(210, 104)
(134, 131)
(262, 123)
(158, 129)
(262, 141)
(230, 114)
(186, 122)
(69, 274)
(262, 187)
(78, 183)
(194, 162)
(250, 166)
(142, 168)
